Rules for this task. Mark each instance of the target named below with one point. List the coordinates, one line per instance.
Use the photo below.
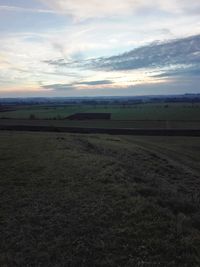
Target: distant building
(90, 116)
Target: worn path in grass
(183, 151)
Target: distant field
(120, 124)
(99, 200)
(162, 111)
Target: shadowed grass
(95, 200)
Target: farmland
(139, 116)
(148, 111)
(121, 124)
(99, 200)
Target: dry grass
(95, 200)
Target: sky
(71, 48)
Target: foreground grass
(98, 200)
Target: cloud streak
(81, 9)
(102, 82)
(77, 85)
(59, 87)
(184, 51)
(179, 56)
(24, 9)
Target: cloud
(102, 82)
(24, 9)
(81, 9)
(92, 8)
(181, 71)
(175, 57)
(160, 64)
(59, 87)
(184, 51)
(57, 62)
(74, 86)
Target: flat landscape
(107, 124)
(147, 111)
(99, 133)
(139, 116)
(99, 200)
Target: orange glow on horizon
(23, 89)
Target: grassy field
(105, 123)
(162, 111)
(99, 200)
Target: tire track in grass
(174, 157)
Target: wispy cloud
(158, 64)
(24, 9)
(184, 51)
(176, 56)
(77, 85)
(180, 71)
(102, 82)
(82, 9)
(59, 87)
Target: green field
(161, 111)
(118, 124)
(99, 200)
